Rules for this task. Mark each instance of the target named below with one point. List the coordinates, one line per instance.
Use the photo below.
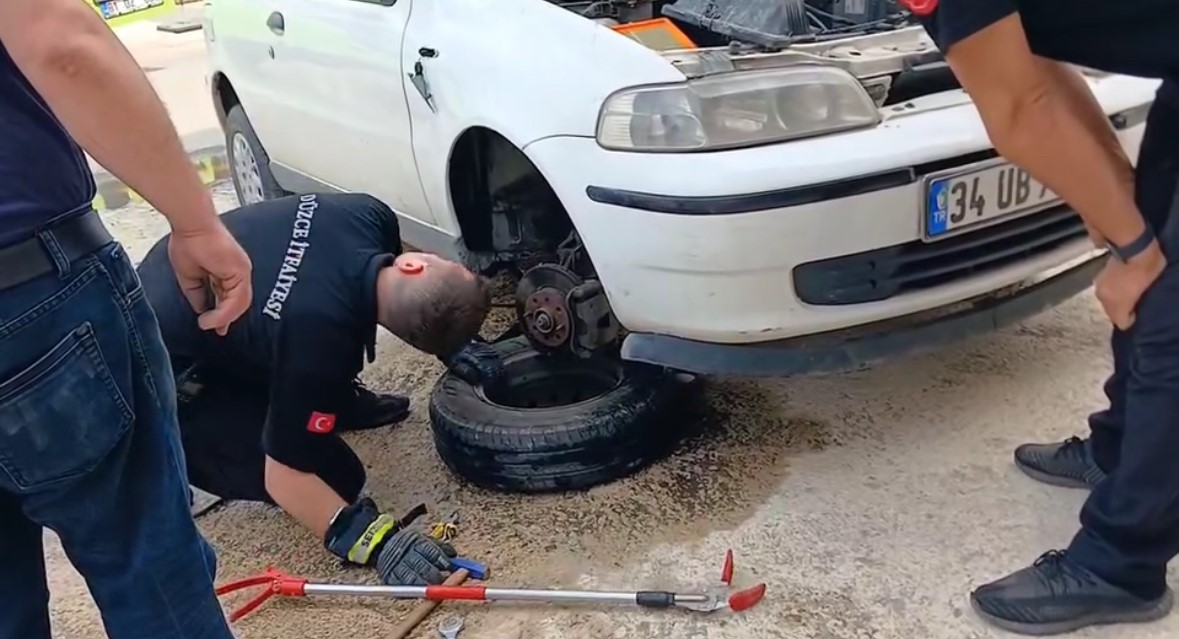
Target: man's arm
(1038, 117)
(303, 496)
(102, 97)
(302, 413)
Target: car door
(242, 36)
(348, 120)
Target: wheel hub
(560, 312)
(546, 317)
(542, 306)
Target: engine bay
(877, 41)
(766, 25)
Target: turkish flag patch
(920, 7)
(321, 423)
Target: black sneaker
(1055, 595)
(1068, 463)
(372, 410)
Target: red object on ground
(745, 599)
(276, 583)
(717, 597)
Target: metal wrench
(449, 627)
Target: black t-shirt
(43, 175)
(1131, 37)
(313, 318)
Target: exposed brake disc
(542, 306)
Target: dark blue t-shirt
(43, 174)
(313, 319)
(1132, 37)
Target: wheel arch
(224, 96)
(504, 205)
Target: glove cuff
(448, 359)
(359, 532)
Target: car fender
(526, 69)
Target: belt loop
(55, 252)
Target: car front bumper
(704, 247)
(849, 350)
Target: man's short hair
(439, 314)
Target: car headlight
(737, 109)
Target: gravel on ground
(870, 502)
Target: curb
(210, 162)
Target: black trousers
(221, 420)
(1130, 523)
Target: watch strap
(1129, 251)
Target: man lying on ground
(261, 408)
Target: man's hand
(1042, 116)
(210, 260)
(477, 363)
(1119, 286)
(410, 558)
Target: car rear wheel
(556, 423)
(252, 179)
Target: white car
(732, 196)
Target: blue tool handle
(474, 568)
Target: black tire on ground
(558, 424)
(236, 123)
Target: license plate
(965, 200)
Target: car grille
(882, 273)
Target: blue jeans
(89, 448)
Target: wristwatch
(1126, 253)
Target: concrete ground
(871, 503)
(176, 65)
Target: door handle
(418, 79)
(276, 23)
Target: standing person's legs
(1084, 463)
(1130, 523)
(23, 587)
(89, 448)
(1130, 527)
(1115, 569)
(1106, 426)
(1155, 183)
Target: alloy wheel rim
(245, 165)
